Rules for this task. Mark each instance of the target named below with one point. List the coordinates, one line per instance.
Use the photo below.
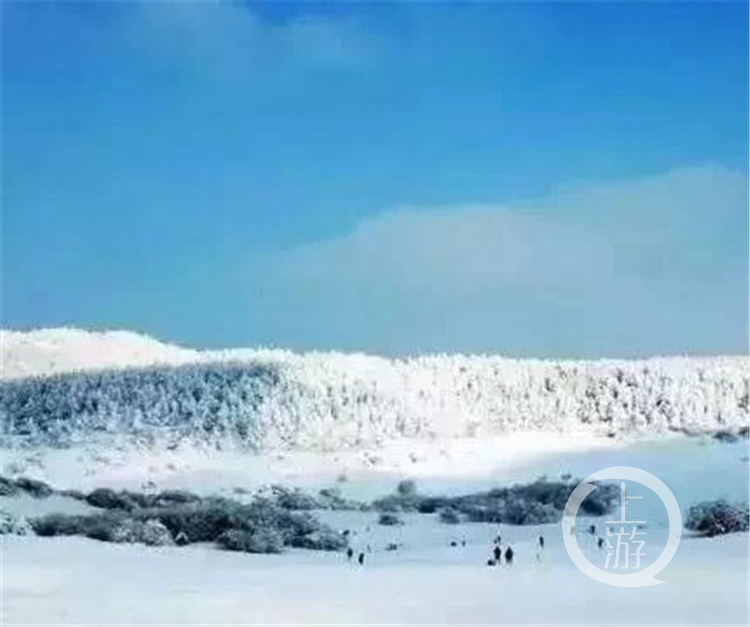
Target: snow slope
(75, 581)
(50, 351)
(328, 401)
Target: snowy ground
(79, 581)
(76, 581)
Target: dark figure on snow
(509, 556)
(454, 543)
(498, 539)
(491, 562)
(592, 529)
(541, 542)
(600, 542)
(349, 553)
(361, 559)
(497, 552)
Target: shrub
(330, 498)
(204, 521)
(449, 516)
(431, 504)
(169, 497)
(325, 539)
(107, 527)
(157, 519)
(56, 525)
(37, 489)
(12, 525)
(725, 436)
(294, 499)
(712, 518)
(154, 533)
(8, 487)
(151, 533)
(107, 498)
(398, 503)
(96, 526)
(407, 487)
(73, 494)
(539, 502)
(261, 541)
(389, 520)
(602, 500)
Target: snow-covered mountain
(281, 399)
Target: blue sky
(548, 179)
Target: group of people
(360, 556)
(496, 558)
(498, 554)
(592, 531)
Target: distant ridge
(281, 399)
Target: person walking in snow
(509, 556)
(497, 553)
(541, 542)
(349, 553)
(361, 559)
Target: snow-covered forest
(323, 401)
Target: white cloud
(646, 266)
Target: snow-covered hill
(49, 351)
(280, 399)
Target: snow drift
(278, 399)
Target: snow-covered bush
(114, 526)
(404, 499)
(260, 541)
(8, 487)
(105, 527)
(324, 539)
(293, 498)
(154, 533)
(389, 520)
(406, 487)
(32, 487)
(449, 516)
(155, 519)
(713, 518)
(536, 503)
(204, 521)
(106, 498)
(57, 525)
(13, 525)
(330, 498)
(74, 494)
(725, 436)
(126, 500)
